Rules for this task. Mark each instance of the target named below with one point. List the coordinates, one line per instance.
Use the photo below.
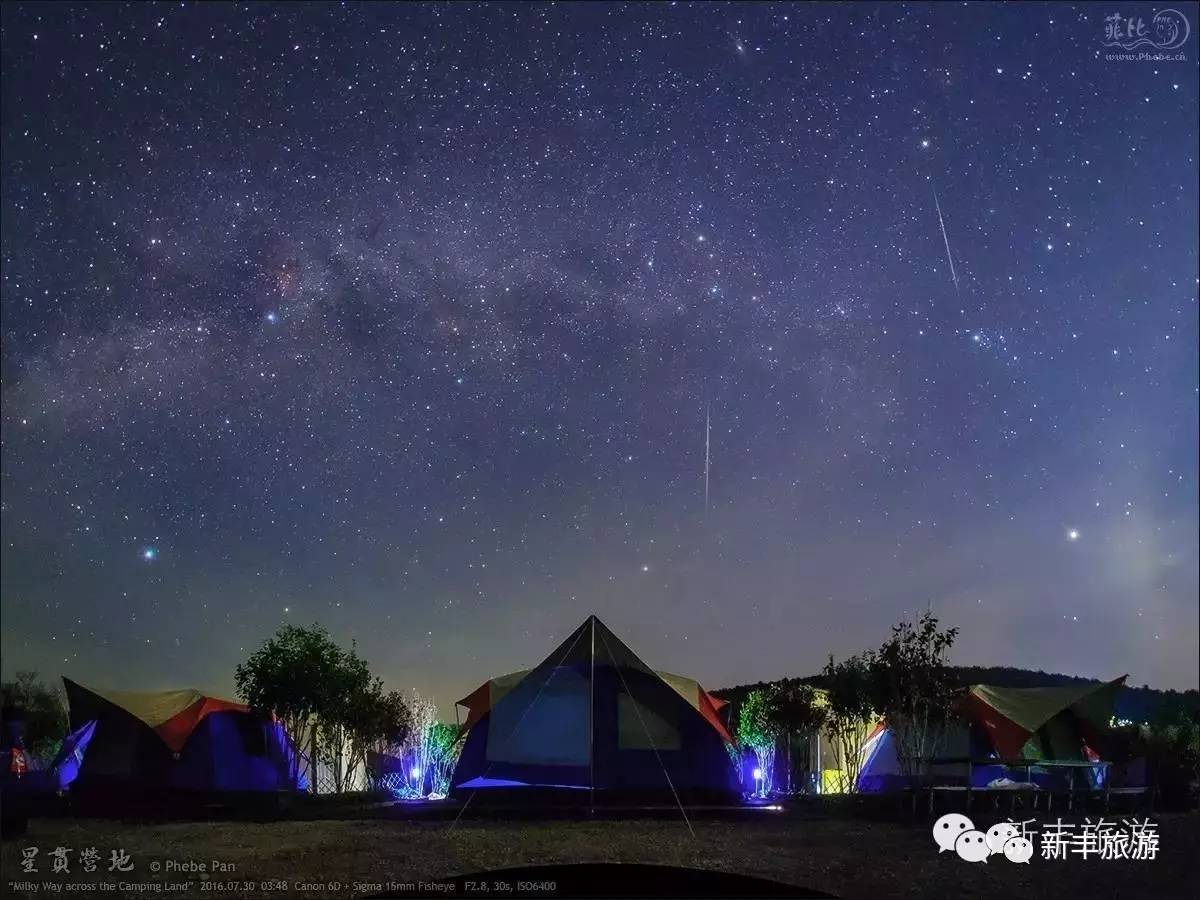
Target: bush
(43, 711)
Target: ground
(841, 856)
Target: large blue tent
(594, 720)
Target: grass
(849, 858)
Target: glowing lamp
(757, 774)
(415, 772)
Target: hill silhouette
(1137, 704)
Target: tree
(325, 696)
(290, 676)
(384, 726)
(416, 753)
(849, 713)
(41, 708)
(445, 743)
(757, 729)
(369, 720)
(795, 709)
(914, 690)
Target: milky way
(406, 320)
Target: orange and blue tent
(172, 740)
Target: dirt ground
(344, 858)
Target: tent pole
(578, 634)
(649, 738)
(592, 727)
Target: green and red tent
(1059, 722)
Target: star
(609, 263)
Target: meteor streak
(707, 427)
(949, 257)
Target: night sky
(405, 320)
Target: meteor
(707, 429)
(949, 256)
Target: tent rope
(637, 708)
(524, 713)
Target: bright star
(925, 144)
(150, 554)
(1072, 535)
(272, 317)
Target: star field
(405, 320)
